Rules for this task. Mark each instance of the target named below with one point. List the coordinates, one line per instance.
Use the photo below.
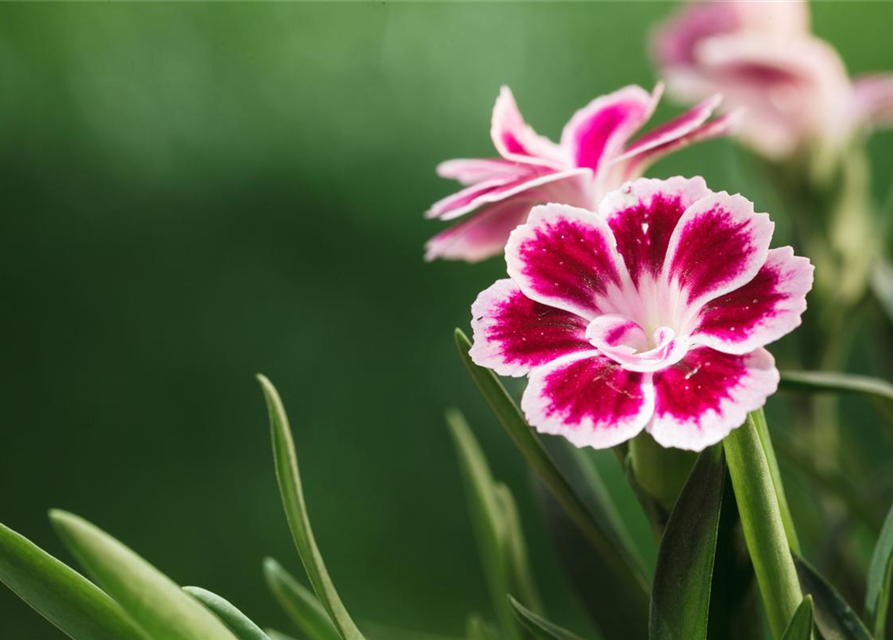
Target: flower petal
(707, 394)
(643, 214)
(599, 130)
(477, 195)
(589, 400)
(718, 245)
(675, 128)
(513, 334)
(626, 343)
(517, 141)
(566, 258)
(873, 96)
(760, 312)
(470, 171)
(482, 235)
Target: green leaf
(477, 629)
(238, 622)
(60, 594)
(877, 595)
(801, 624)
(490, 527)
(626, 573)
(882, 282)
(759, 420)
(519, 562)
(278, 635)
(538, 625)
(834, 618)
(299, 603)
(830, 382)
(149, 597)
(292, 493)
(680, 601)
(763, 527)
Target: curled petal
(482, 235)
(589, 400)
(477, 195)
(468, 171)
(718, 245)
(676, 128)
(627, 344)
(566, 258)
(516, 140)
(760, 312)
(513, 334)
(873, 96)
(643, 214)
(702, 398)
(600, 129)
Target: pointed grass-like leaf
(299, 603)
(762, 523)
(800, 627)
(292, 493)
(877, 594)
(240, 624)
(149, 597)
(278, 635)
(680, 599)
(834, 618)
(539, 626)
(477, 629)
(67, 599)
(626, 572)
(519, 562)
(832, 382)
(490, 526)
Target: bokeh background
(193, 193)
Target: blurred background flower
(194, 193)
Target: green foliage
(877, 594)
(299, 603)
(763, 527)
(238, 622)
(834, 618)
(289, 480)
(149, 597)
(833, 382)
(680, 601)
(60, 594)
(539, 626)
(800, 627)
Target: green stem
(660, 472)
(761, 519)
(759, 421)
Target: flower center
(625, 342)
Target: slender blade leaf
(877, 594)
(60, 594)
(278, 635)
(626, 572)
(832, 382)
(519, 562)
(149, 597)
(538, 625)
(299, 603)
(680, 600)
(834, 618)
(802, 623)
(491, 530)
(292, 493)
(477, 629)
(238, 622)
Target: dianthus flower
(793, 87)
(650, 314)
(594, 156)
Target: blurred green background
(193, 193)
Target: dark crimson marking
(733, 316)
(712, 250)
(643, 233)
(569, 260)
(592, 136)
(595, 388)
(533, 334)
(698, 383)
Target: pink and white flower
(651, 314)
(794, 88)
(594, 156)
